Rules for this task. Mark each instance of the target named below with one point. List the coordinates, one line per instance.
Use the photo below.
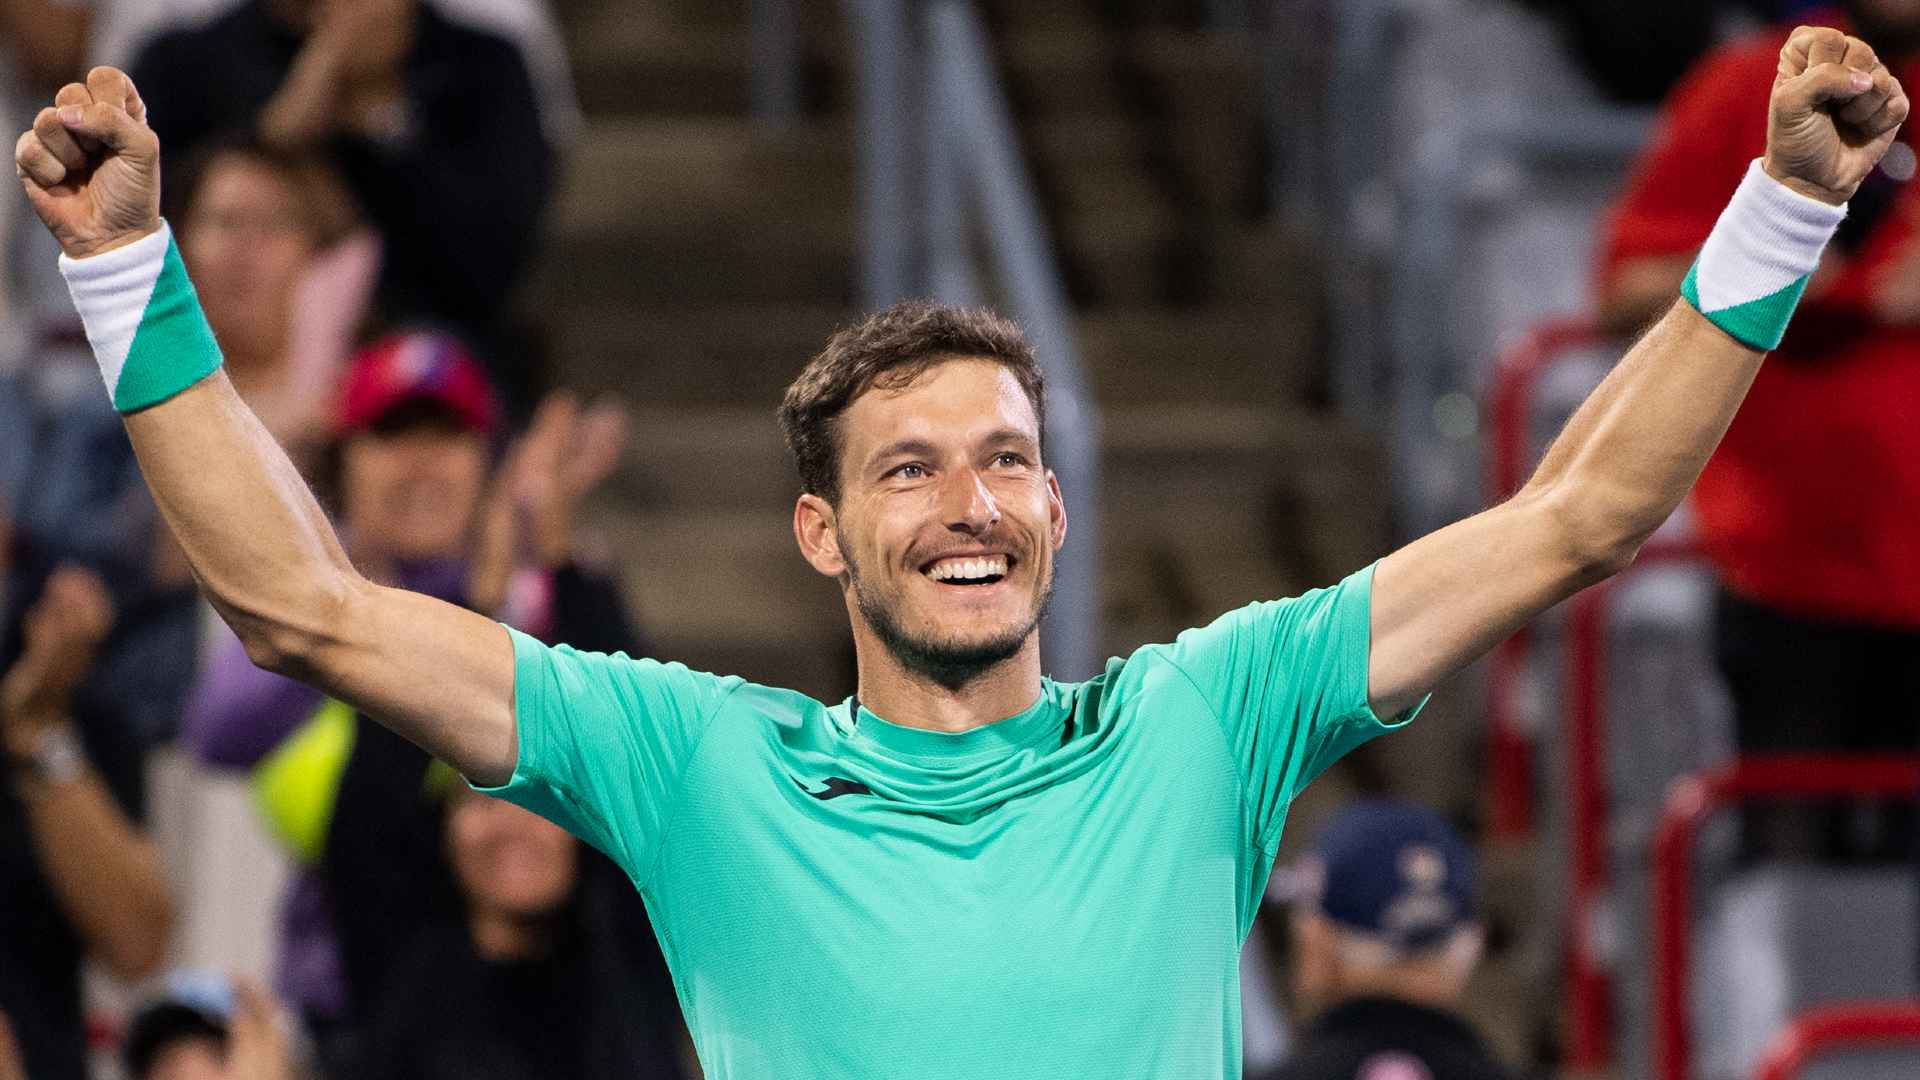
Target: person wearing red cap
(424, 505)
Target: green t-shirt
(1063, 893)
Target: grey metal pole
(1024, 258)
(775, 47)
(883, 115)
(950, 272)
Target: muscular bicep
(1444, 600)
(437, 674)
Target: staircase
(695, 263)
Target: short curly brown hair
(891, 349)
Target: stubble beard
(949, 663)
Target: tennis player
(967, 870)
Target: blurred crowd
(356, 187)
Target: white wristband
(143, 320)
(1756, 262)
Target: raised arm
(1635, 447)
(264, 553)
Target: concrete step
(785, 250)
(1067, 68)
(657, 173)
(1080, 14)
(744, 355)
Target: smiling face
(411, 492)
(947, 521)
(246, 241)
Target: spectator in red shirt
(1819, 618)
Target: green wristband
(1756, 262)
(144, 321)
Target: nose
(966, 503)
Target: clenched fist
(91, 165)
(1834, 112)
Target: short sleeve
(1287, 680)
(603, 740)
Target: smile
(969, 569)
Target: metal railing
(1860, 1025)
(1690, 803)
(957, 151)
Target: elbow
(291, 640)
(1595, 541)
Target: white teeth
(969, 569)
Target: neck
(901, 696)
(505, 938)
(1417, 985)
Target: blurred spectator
(531, 987)
(45, 41)
(70, 491)
(240, 1033)
(120, 27)
(11, 1067)
(1384, 941)
(284, 276)
(41, 43)
(1635, 49)
(434, 125)
(77, 877)
(1818, 629)
(358, 805)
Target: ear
(815, 528)
(1056, 511)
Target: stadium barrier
(1856, 1025)
(1690, 802)
(1517, 377)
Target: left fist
(1835, 110)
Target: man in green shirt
(968, 870)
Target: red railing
(1516, 375)
(1516, 379)
(1690, 802)
(1589, 995)
(1858, 1025)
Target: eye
(1008, 458)
(912, 470)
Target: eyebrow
(916, 447)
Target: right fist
(91, 165)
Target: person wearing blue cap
(1384, 940)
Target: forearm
(1632, 451)
(263, 550)
(259, 544)
(105, 875)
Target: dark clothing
(602, 1006)
(450, 1014)
(40, 952)
(70, 484)
(457, 196)
(386, 875)
(1384, 1039)
(1803, 684)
